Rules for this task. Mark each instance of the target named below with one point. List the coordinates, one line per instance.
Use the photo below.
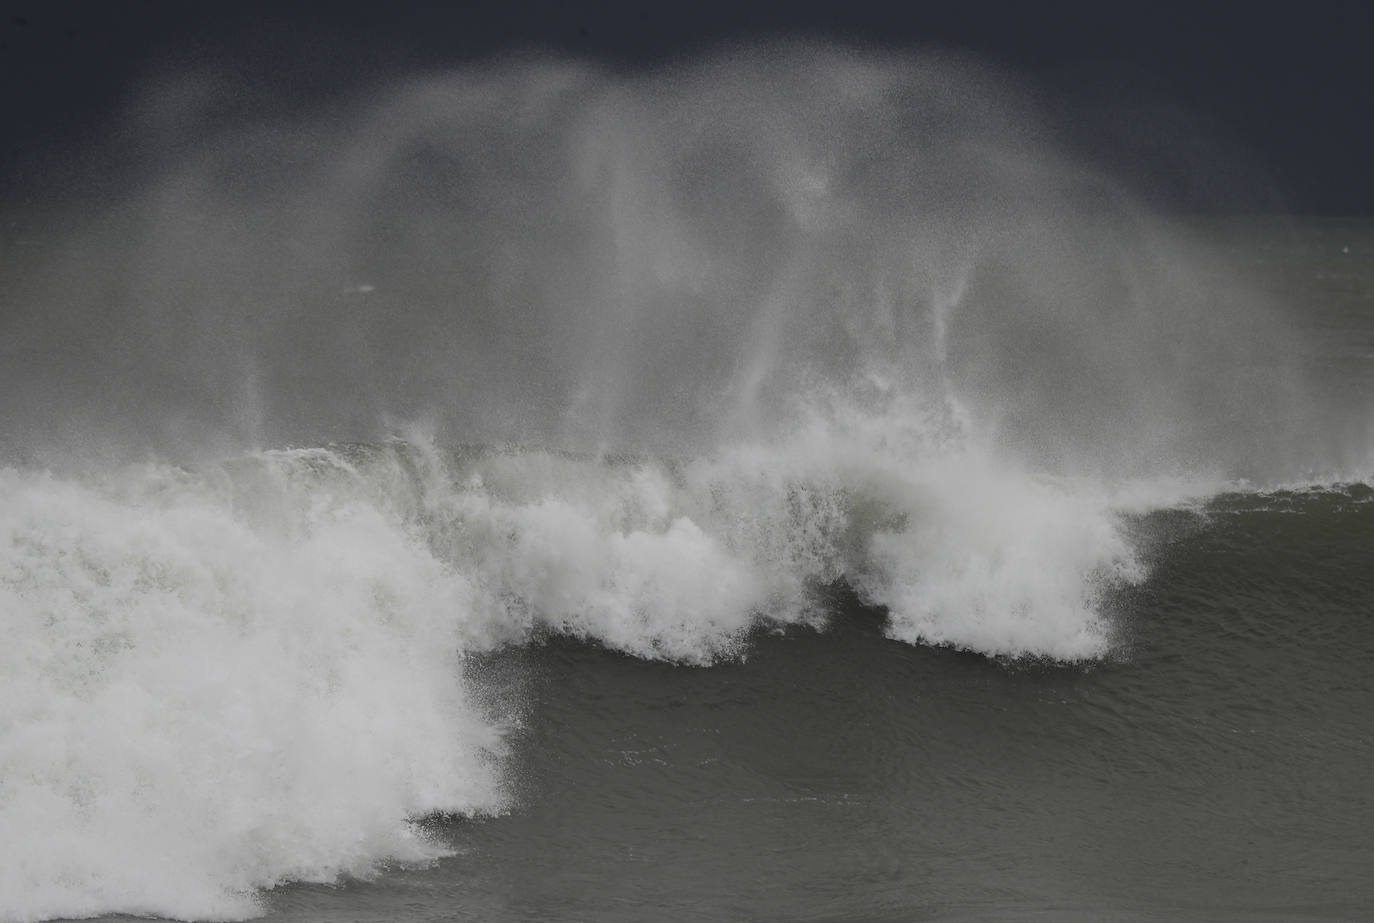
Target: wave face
(783, 318)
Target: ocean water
(792, 485)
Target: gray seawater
(810, 493)
(1216, 769)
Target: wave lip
(1006, 567)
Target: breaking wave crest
(226, 677)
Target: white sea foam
(192, 708)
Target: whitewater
(535, 351)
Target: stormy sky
(1214, 107)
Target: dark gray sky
(1280, 93)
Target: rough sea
(793, 485)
